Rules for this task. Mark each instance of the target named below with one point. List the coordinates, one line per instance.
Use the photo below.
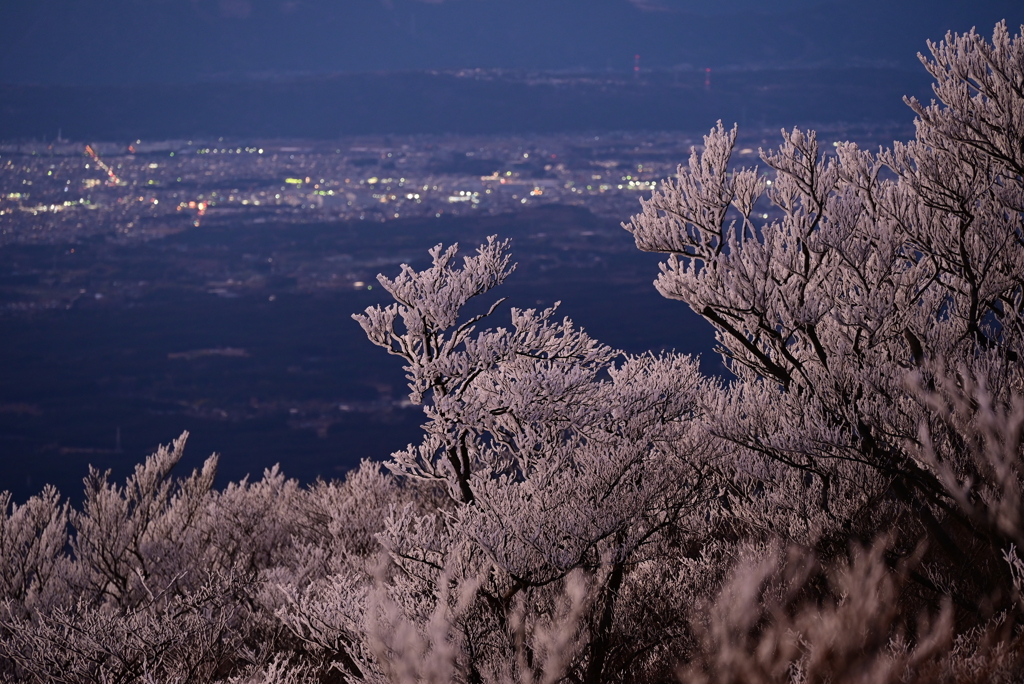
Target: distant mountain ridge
(457, 102)
(183, 41)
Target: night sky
(185, 41)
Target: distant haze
(185, 41)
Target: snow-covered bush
(849, 507)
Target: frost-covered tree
(888, 284)
(561, 455)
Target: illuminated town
(76, 195)
(66, 191)
(62, 192)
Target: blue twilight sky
(151, 41)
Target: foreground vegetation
(848, 508)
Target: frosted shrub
(763, 628)
(185, 637)
(32, 563)
(137, 540)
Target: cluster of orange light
(200, 208)
(114, 180)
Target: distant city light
(178, 184)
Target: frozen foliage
(849, 507)
(561, 456)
